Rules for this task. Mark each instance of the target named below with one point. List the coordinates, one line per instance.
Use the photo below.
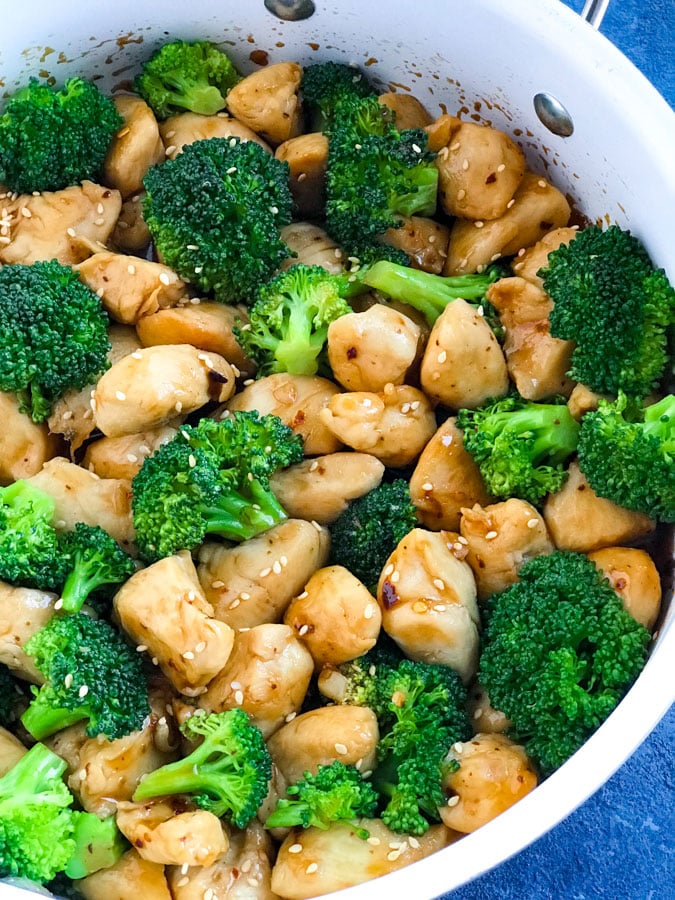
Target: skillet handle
(594, 12)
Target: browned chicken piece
(536, 257)
(67, 744)
(206, 325)
(267, 675)
(11, 751)
(428, 600)
(494, 773)
(479, 168)
(122, 457)
(306, 156)
(484, 717)
(579, 520)
(312, 246)
(348, 734)
(163, 609)
(582, 400)
(129, 878)
(253, 582)
(188, 127)
(424, 240)
(298, 401)
(367, 350)
(463, 364)
(446, 478)
(23, 612)
(25, 445)
(131, 234)
(535, 208)
(407, 109)
(59, 225)
(267, 101)
(636, 580)
(150, 387)
(130, 287)
(135, 148)
(537, 362)
(81, 496)
(320, 489)
(500, 538)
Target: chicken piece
(428, 601)
(206, 325)
(131, 233)
(163, 608)
(188, 127)
(485, 718)
(67, 744)
(535, 208)
(122, 457)
(536, 257)
(424, 240)
(536, 361)
(60, 225)
(135, 148)
(394, 424)
(11, 751)
(163, 835)
(494, 773)
(407, 109)
(636, 580)
(267, 675)
(579, 520)
(150, 387)
(298, 401)
(479, 168)
(367, 350)
(463, 364)
(81, 496)
(267, 101)
(129, 878)
(320, 489)
(311, 246)
(23, 612)
(336, 616)
(25, 445)
(339, 857)
(253, 582)
(446, 478)
(306, 155)
(130, 287)
(582, 400)
(500, 538)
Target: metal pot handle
(594, 12)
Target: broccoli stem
(421, 202)
(98, 845)
(82, 580)
(659, 420)
(191, 776)
(40, 719)
(32, 774)
(238, 517)
(553, 430)
(204, 99)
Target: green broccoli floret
(215, 212)
(94, 559)
(615, 305)
(228, 773)
(182, 75)
(337, 793)
(559, 652)
(520, 446)
(288, 323)
(91, 674)
(627, 453)
(365, 535)
(11, 696)
(50, 138)
(98, 844)
(29, 546)
(53, 334)
(325, 85)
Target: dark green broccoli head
(627, 453)
(94, 560)
(183, 76)
(215, 212)
(29, 545)
(615, 305)
(50, 139)
(53, 334)
(559, 652)
(325, 85)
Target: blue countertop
(621, 843)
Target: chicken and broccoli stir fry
(333, 462)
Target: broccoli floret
(559, 652)
(215, 212)
(94, 559)
(50, 139)
(11, 696)
(367, 532)
(627, 453)
(29, 545)
(90, 674)
(520, 446)
(98, 844)
(182, 75)
(228, 773)
(53, 334)
(615, 305)
(325, 85)
(337, 793)
(288, 323)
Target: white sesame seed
(462, 540)
(478, 224)
(182, 881)
(137, 354)
(191, 247)
(369, 611)
(178, 406)
(542, 183)
(477, 713)
(164, 278)
(170, 149)
(316, 525)
(415, 405)
(414, 843)
(184, 868)
(389, 569)
(141, 648)
(131, 269)
(458, 747)
(132, 458)
(283, 560)
(303, 630)
(314, 465)
(192, 462)
(490, 535)
(83, 691)
(239, 697)
(453, 801)
(373, 841)
(532, 523)
(26, 213)
(188, 655)
(393, 855)
(461, 194)
(99, 208)
(442, 356)
(501, 167)
(302, 595)
(341, 749)
(59, 604)
(276, 567)
(465, 164)
(68, 680)
(405, 408)
(312, 868)
(427, 486)
(99, 221)
(510, 204)
(120, 395)
(216, 585)
(439, 607)
(301, 177)
(439, 583)
(395, 577)
(235, 603)
(455, 146)
(446, 440)
(209, 894)
(290, 717)
(263, 573)
(295, 848)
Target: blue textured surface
(621, 843)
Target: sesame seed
(494, 257)
(209, 894)
(235, 685)
(183, 881)
(340, 748)
(510, 204)
(465, 164)
(442, 356)
(178, 406)
(395, 577)
(405, 409)
(120, 395)
(462, 540)
(59, 604)
(164, 278)
(316, 525)
(313, 466)
(369, 611)
(235, 603)
(239, 697)
(414, 843)
(367, 402)
(274, 210)
(542, 183)
(477, 713)
(137, 354)
(373, 841)
(141, 648)
(191, 247)
(302, 176)
(231, 170)
(252, 882)
(480, 312)
(388, 570)
(439, 583)
(290, 717)
(192, 462)
(188, 655)
(490, 535)
(68, 680)
(302, 595)
(532, 523)
(393, 855)
(416, 148)
(439, 607)
(312, 868)
(458, 748)
(276, 567)
(371, 670)
(427, 486)
(295, 848)
(453, 801)
(478, 224)
(68, 414)
(99, 221)
(446, 440)
(184, 868)
(244, 596)
(461, 194)
(455, 146)
(216, 585)
(415, 405)
(132, 458)
(26, 212)
(154, 661)
(501, 167)
(457, 546)
(170, 149)
(302, 631)
(263, 573)
(83, 691)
